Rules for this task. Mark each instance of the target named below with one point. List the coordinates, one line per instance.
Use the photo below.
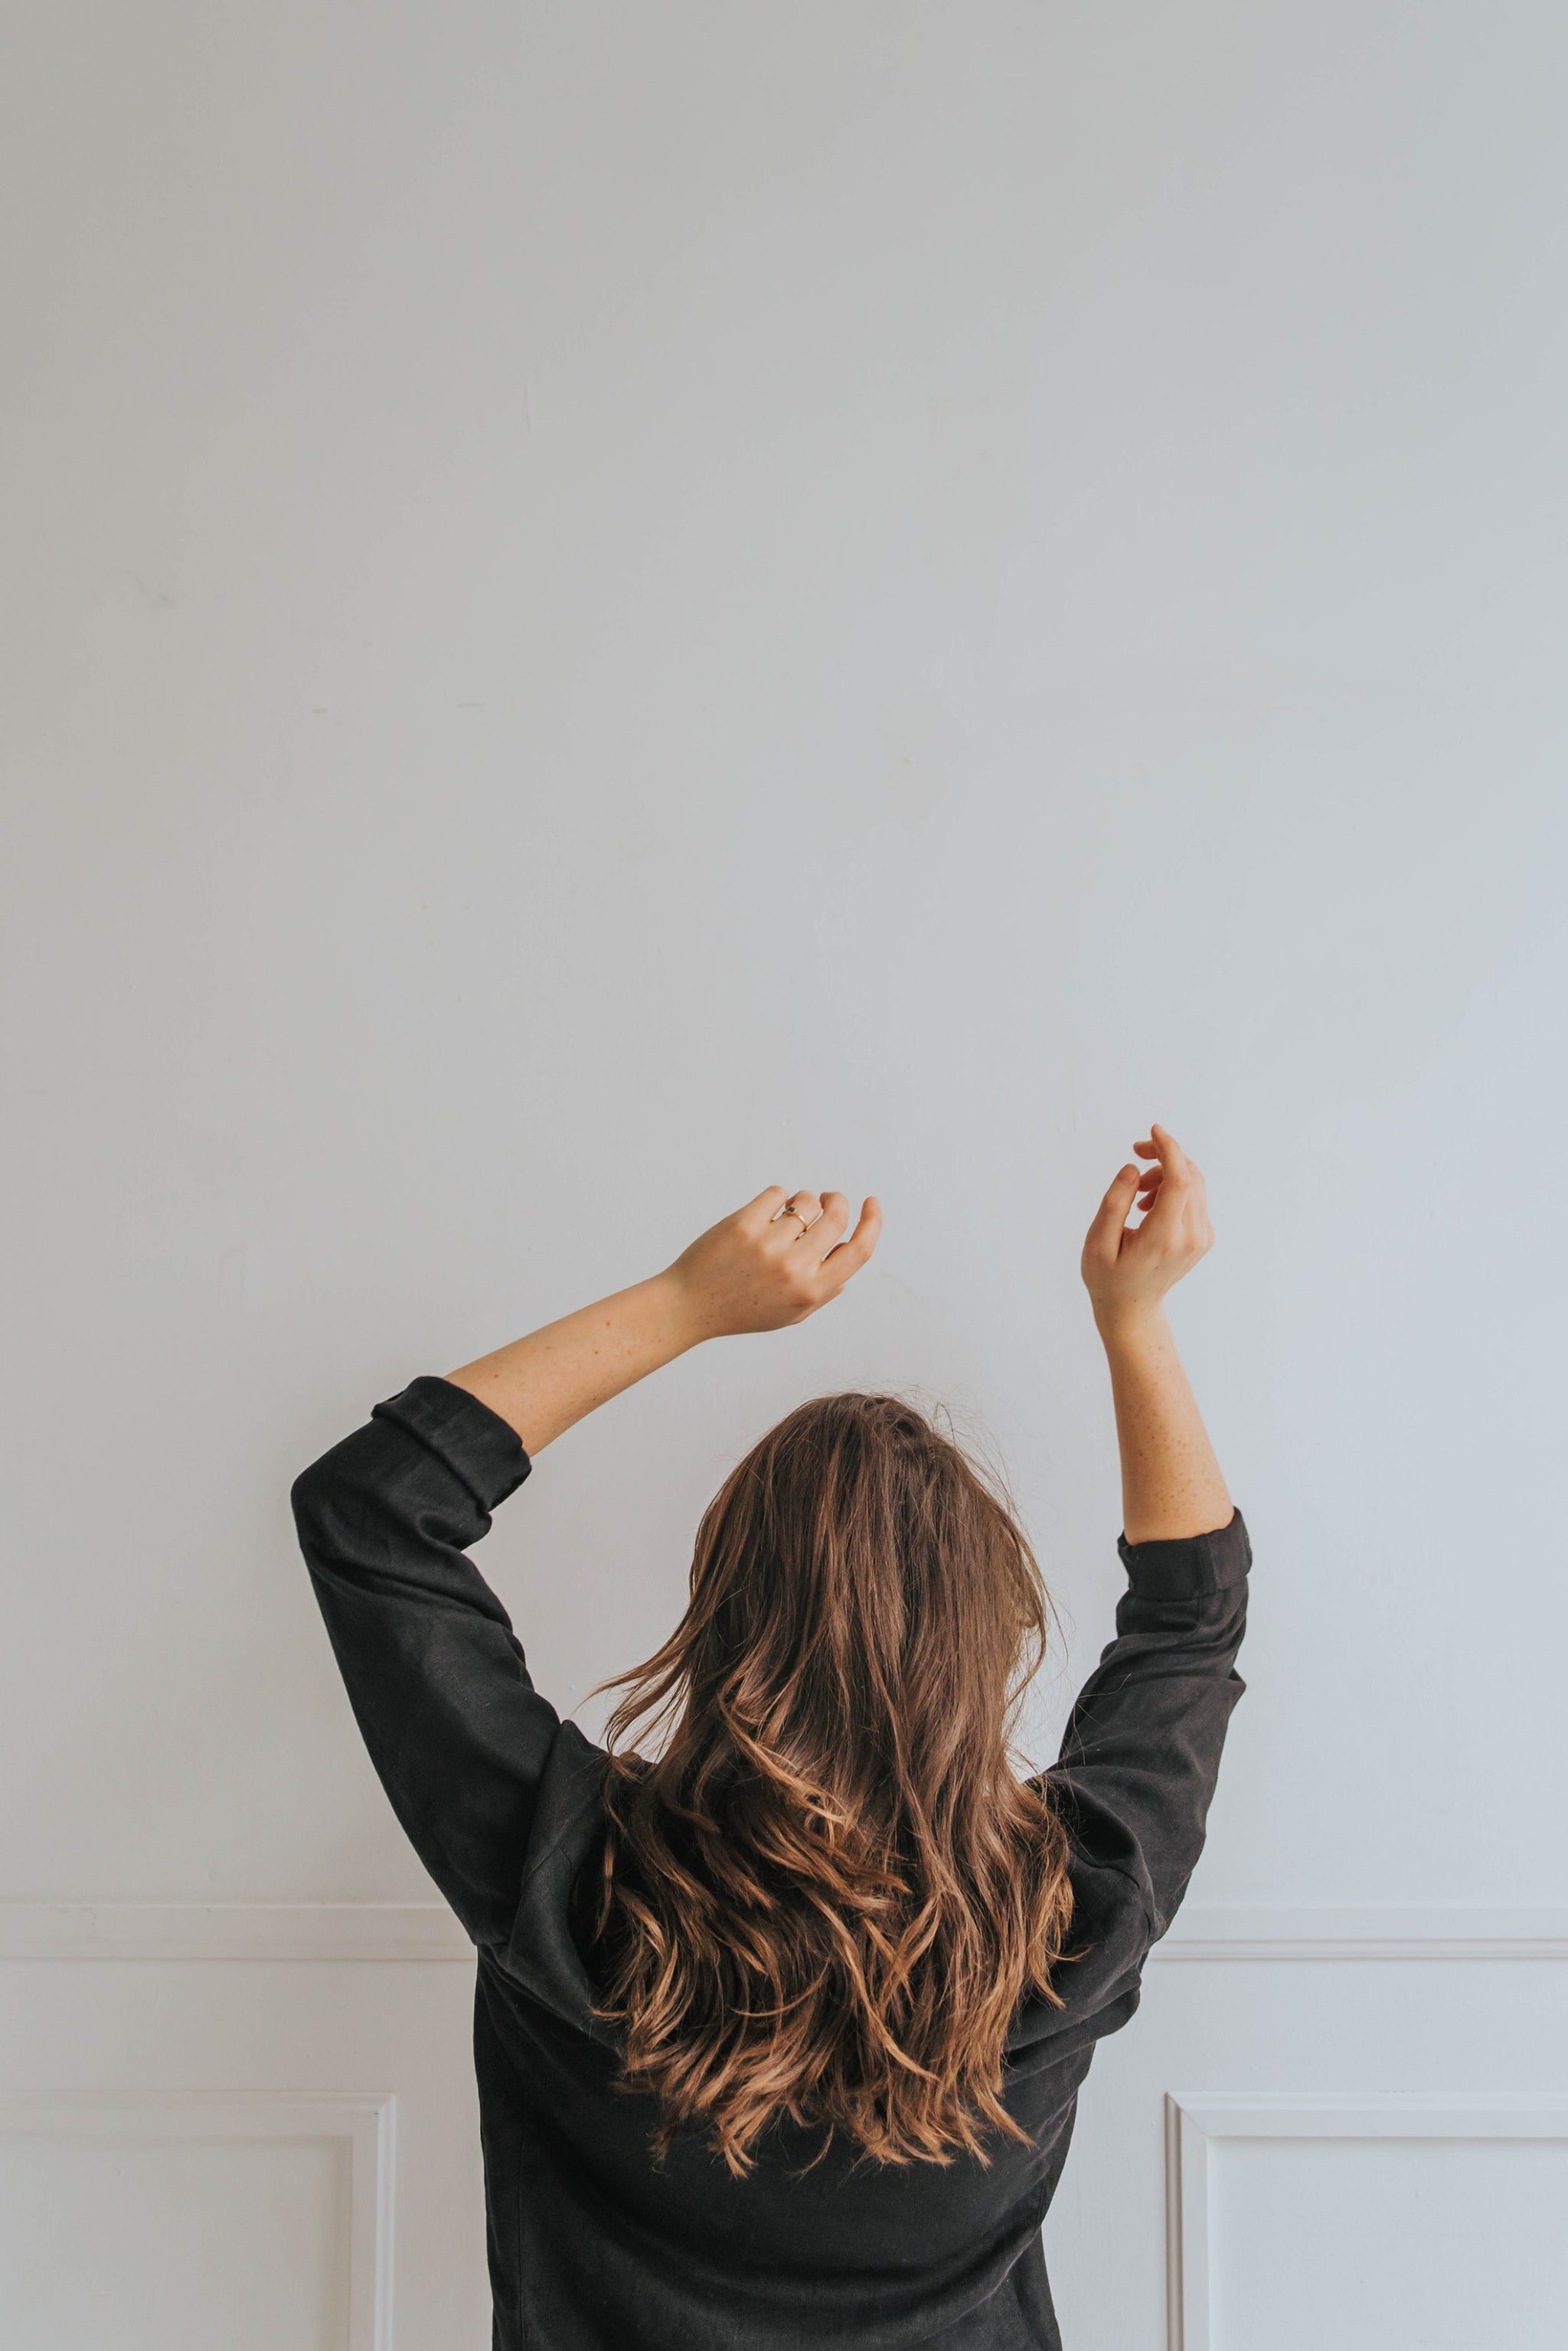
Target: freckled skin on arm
(759, 1269)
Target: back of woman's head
(827, 1896)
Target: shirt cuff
(478, 1445)
(1188, 1567)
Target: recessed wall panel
(1387, 2244)
(155, 2244)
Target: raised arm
(437, 1676)
(1142, 1750)
(771, 1263)
(1171, 1485)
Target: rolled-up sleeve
(1141, 1753)
(435, 1675)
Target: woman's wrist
(677, 1310)
(1133, 1328)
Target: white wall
(614, 604)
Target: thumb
(1105, 1232)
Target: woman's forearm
(773, 1263)
(1171, 1481)
(543, 1383)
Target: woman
(779, 2036)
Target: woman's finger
(765, 1208)
(1105, 1232)
(1168, 1208)
(801, 1211)
(1176, 1179)
(851, 1255)
(1173, 1158)
(831, 1224)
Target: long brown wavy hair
(828, 1895)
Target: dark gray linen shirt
(592, 2245)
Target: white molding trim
(1194, 2119)
(231, 1931)
(365, 2120)
(429, 1931)
(1392, 1930)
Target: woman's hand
(1127, 1269)
(772, 1262)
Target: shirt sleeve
(435, 1675)
(1141, 1753)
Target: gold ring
(805, 1223)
